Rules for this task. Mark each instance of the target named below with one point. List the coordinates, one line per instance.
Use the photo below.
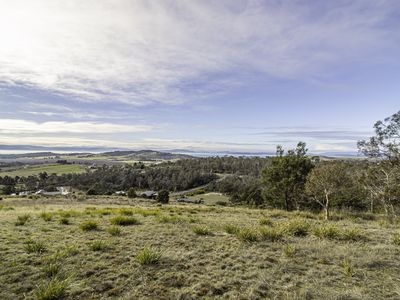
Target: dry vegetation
(96, 250)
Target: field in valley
(49, 169)
(118, 248)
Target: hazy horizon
(204, 76)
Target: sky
(207, 75)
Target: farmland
(78, 248)
(50, 169)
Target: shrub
(91, 192)
(327, 232)
(124, 221)
(271, 234)
(296, 228)
(248, 235)
(46, 216)
(64, 221)
(89, 225)
(21, 220)
(98, 246)
(35, 247)
(132, 193)
(163, 196)
(114, 230)
(396, 239)
(265, 221)
(231, 229)
(201, 230)
(148, 256)
(53, 290)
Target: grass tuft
(296, 227)
(53, 290)
(201, 230)
(46, 216)
(64, 221)
(89, 225)
(35, 247)
(289, 250)
(114, 230)
(124, 221)
(231, 229)
(248, 235)
(327, 232)
(265, 221)
(271, 234)
(148, 256)
(21, 220)
(51, 269)
(98, 246)
(396, 239)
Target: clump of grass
(51, 269)
(46, 216)
(104, 212)
(148, 256)
(114, 230)
(124, 221)
(126, 211)
(98, 246)
(396, 239)
(265, 221)
(64, 221)
(35, 247)
(248, 235)
(327, 232)
(348, 268)
(89, 225)
(21, 220)
(201, 230)
(231, 229)
(296, 228)
(52, 290)
(352, 234)
(289, 250)
(69, 213)
(271, 234)
(147, 212)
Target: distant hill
(146, 155)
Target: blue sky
(197, 75)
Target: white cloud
(141, 51)
(16, 126)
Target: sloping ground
(199, 252)
(49, 169)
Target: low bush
(148, 256)
(124, 221)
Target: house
(149, 195)
(120, 193)
(23, 193)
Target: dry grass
(295, 256)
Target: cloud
(165, 51)
(16, 126)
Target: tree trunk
(326, 205)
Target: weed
(348, 268)
(21, 220)
(124, 221)
(89, 225)
(148, 256)
(201, 230)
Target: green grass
(21, 220)
(248, 235)
(231, 229)
(98, 246)
(271, 234)
(114, 230)
(55, 289)
(201, 230)
(64, 221)
(148, 256)
(49, 169)
(46, 216)
(35, 247)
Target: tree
(285, 178)
(132, 193)
(163, 196)
(386, 142)
(326, 183)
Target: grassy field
(118, 248)
(34, 170)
